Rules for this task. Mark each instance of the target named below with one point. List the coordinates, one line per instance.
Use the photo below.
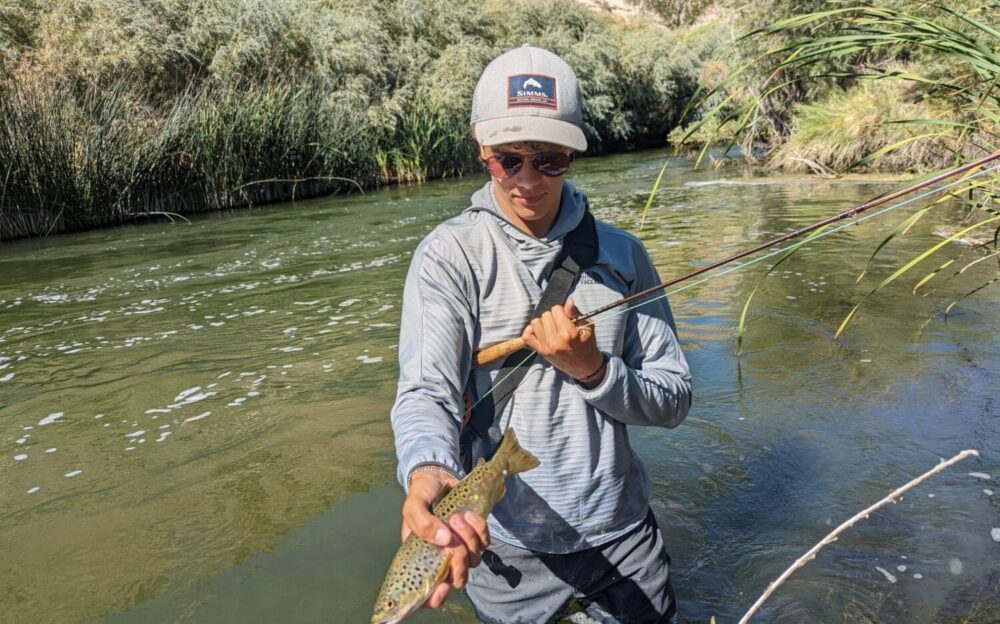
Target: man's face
(528, 198)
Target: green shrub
(172, 106)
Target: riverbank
(112, 113)
(110, 117)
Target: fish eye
(390, 604)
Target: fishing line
(856, 221)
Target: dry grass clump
(842, 131)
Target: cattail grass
(80, 160)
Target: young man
(579, 525)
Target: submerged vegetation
(113, 110)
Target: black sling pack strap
(579, 251)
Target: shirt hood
(572, 205)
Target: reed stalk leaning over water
(811, 553)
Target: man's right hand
(465, 536)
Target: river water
(194, 417)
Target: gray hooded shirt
(474, 281)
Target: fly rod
(503, 349)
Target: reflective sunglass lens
(551, 164)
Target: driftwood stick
(811, 554)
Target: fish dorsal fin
(480, 462)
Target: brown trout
(419, 566)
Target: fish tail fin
(515, 459)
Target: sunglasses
(549, 164)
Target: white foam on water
(158, 410)
(918, 576)
(51, 450)
(201, 396)
(988, 491)
(129, 448)
(34, 489)
(225, 374)
(135, 434)
(348, 302)
(186, 393)
(287, 366)
(51, 418)
(70, 475)
(163, 436)
(253, 393)
(980, 475)
(955, 565)
(20, 457)
(288, 349)
(364, 359)
(887, 574)
(306, 303)
(21, 440)
(901, 568)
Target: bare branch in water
(811, 554)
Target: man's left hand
(569, 348)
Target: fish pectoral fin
(442, 571)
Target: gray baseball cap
(528, 94)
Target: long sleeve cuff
(428, 458)
(613, 376)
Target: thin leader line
(855, 221)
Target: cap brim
(519, 129)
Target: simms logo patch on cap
(531, 90)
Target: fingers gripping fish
(419, 566)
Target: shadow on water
(323, 571)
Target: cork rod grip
(493, 353)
